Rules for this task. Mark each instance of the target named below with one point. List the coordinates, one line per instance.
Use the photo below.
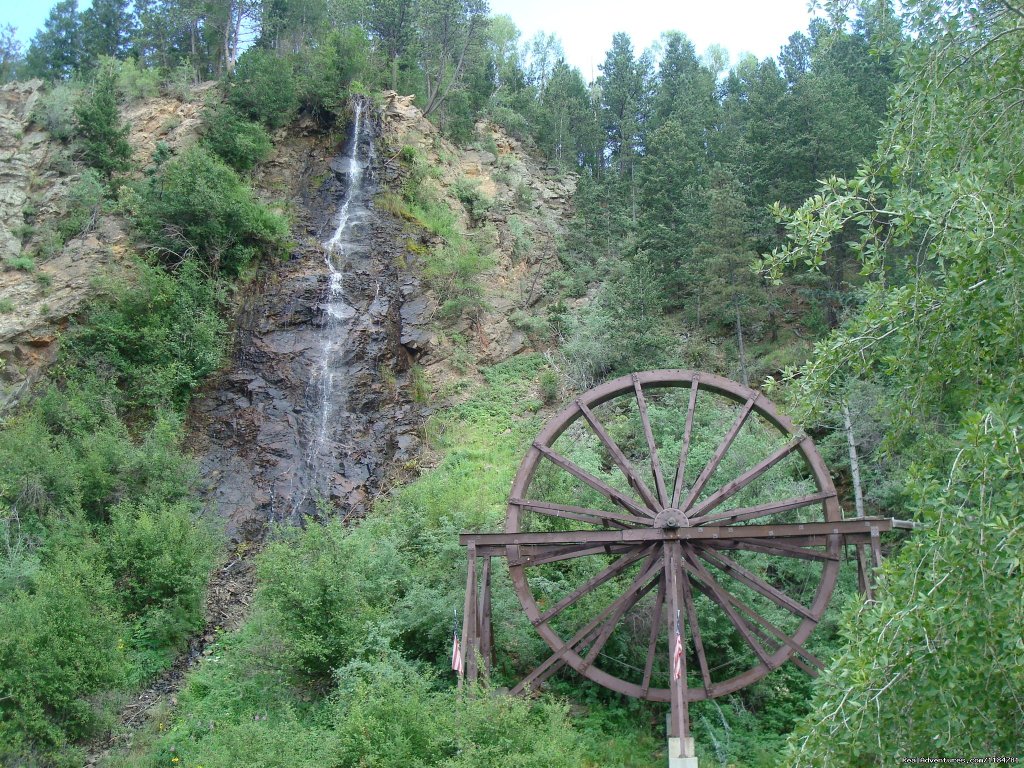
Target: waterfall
(328, 378)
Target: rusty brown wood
(788, 531)
(624, 464)
(698, 644)
(469, 624)
(761, 620)
(652, 643)
(684, 449)
(720, 596)
(597, 484)
(679, 720)
(583, 514)
(774, 547)
(484, 612)
(756, 583)
(613, 619)
(593, 583)
(645, 420)
(566, 649)
(742, 514)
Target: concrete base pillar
(681, 753)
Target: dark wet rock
(257, 427)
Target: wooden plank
(652, 644)
(679, 719)
(583, 514)
(684, 450)
(759, 585)
(623, 463)
(597, 484)
(742, 514)
(721, 597)
(659, 478)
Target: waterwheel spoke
(624, 465)
(774, 630)
(598, 485)
(720, 451)
(652, 643)
(741, 514)
(738, 484)
(756, 583)
(613, 619)
(548, 554)
(698, 644)
(721, 597)
(659, 478)
(593, 583)
(684, 450)
(642, 579)
(773, 547)
(583, 514)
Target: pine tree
(56, 50)
(107, 29)
(102, 138)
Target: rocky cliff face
(38, 298)
(531, 204)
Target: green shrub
(102, 138)
(240, 143)
(49, 243)
(548, 382)
(54, 112)
(61, 644)
(83, 205)
(160, 556)
(177, 82)
(23, 262)
(158, 333)
(473, 200)
(262, 87)
(196, 203)
(134, 82)
(387, 714)
(330, 594)
(6, 306)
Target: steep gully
(310, 414)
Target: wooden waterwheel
(671, 536)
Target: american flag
(456, 654)
(677, 656)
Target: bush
(160, 556)
(330, 594)
(83, 205)
(387, 714)
(61, 644)
(54, 112)
(476, 203)
(25, 263)
(159, 334)
(102, 138)
(262, 87)
(134, 83)
(548, 386)
(240, 143)
(197, 204)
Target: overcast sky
(585, 27)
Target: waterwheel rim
(659, 496)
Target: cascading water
(328, 385)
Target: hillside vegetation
(840, 224)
